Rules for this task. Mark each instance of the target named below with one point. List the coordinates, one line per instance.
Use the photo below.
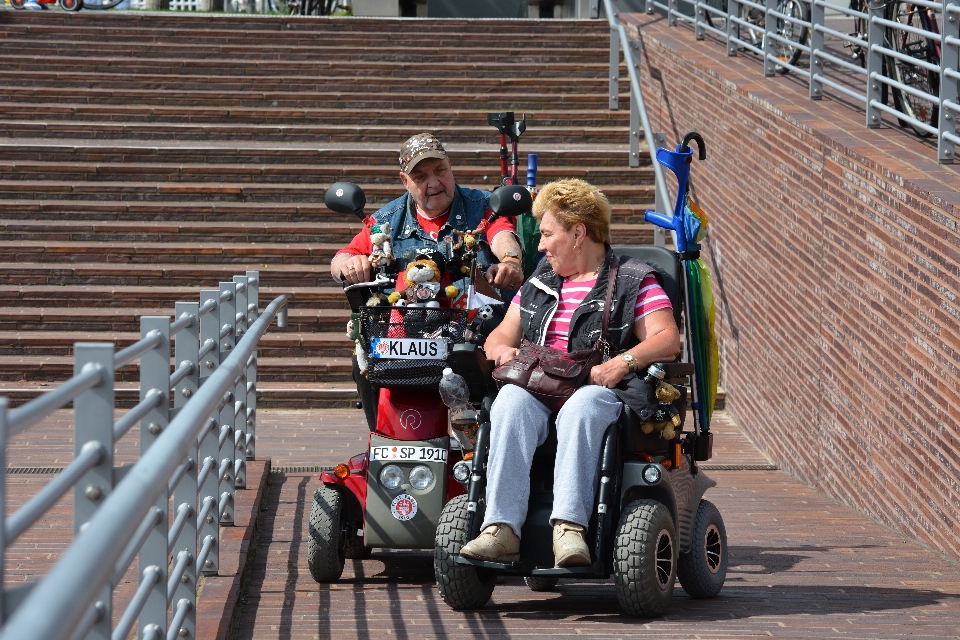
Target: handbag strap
(611, 281)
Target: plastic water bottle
(463, 418)
(454, 392)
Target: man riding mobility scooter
(391, 495)
(650, 524)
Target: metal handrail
(91, 559)
(873, 47)
(30, 412)
(613, 18)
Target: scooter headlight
(391, 476)
(651, 474)
(421, 477)
(461, 472)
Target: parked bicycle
(792, 29)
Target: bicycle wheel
(911, 75)
(792, 31)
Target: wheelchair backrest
(667, 264)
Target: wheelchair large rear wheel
(703, 569)
(645, 559)
(327, 540)
(461, 586)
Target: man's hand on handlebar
(506, 275)
(355, 269)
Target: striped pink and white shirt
(651, 298)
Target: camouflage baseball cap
(420, 147)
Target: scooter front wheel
(461, 586)
(327, 540)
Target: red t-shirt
(362, 246)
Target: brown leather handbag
(551, 375)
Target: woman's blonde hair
(573, 201)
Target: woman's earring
(577, 247)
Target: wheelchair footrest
(504, 567)
(593, 571)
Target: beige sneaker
(496, 543)
(569, 546)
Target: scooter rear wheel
(71, 5)
(326, 542)
(461, 586)
(17, 4)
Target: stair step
(103, 296)
(337, 233)
(261, 116)
(274, 344)
(232, 152)
(325, 174)
(113, 320)
(377, 194)
(287, 395)
(56, 369)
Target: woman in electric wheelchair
(561, 306)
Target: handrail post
(240, 394)
(874, 63)
(253, 304)
(635, 126)
(186, 349)
(949, 59)
(93, 422)
(228, 320)
(698, 19)
(615, 58)
(4, 405)
(769, 44)
(817, 16)
(155, 374)
(659, 235)
(210, 443)
(733, 29)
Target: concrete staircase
(146, 156)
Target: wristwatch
(630, 360)
(510, 254)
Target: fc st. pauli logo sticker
(403, 507)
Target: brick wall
(839, 253)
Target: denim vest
(469, 207)
(540, 296)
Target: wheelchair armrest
(470, 361)
(677, 370)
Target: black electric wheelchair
(651, 524)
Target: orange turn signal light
(341, 471)
(666, 463)
(645, 457)
(468, 455)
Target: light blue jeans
(519, 423)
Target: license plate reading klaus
(409, 454)
(408, 349)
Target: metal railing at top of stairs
(639, 120)
(924, 87)
(194, 453)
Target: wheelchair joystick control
(655, 374)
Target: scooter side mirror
(345, 197)
(510, 201)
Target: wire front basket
(430, 323)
